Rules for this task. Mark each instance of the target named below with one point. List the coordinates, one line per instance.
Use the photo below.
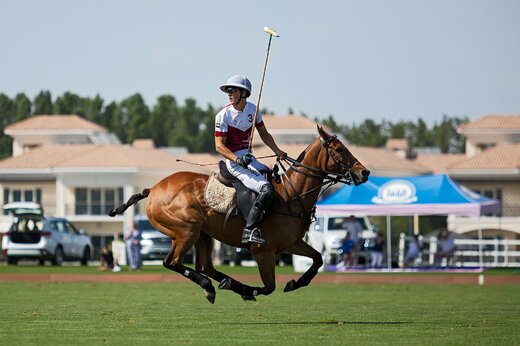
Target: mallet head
(271, 31)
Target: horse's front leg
(266, 267)
(185, 237)
(171, 262)
(301, 248)
(265, 258)
(204, 264)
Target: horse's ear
(322, 133)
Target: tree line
(189, 125)
(369, 133)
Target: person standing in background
(347, 244)
(133, 247)
(376, 255)
(414, 250)
(354, 229)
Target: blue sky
(393, 60)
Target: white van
(325, 235)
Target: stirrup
(252, 236)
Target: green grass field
(321, 314)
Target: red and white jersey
(236, 125)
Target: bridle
(345, 175)
(329, 178)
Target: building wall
(510, 191)
(492, 227)
(113, 228)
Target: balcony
(91, 212)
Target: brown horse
(177, 208)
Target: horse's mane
(304, 152)
(302, 155)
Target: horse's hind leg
(203, 264)
(303, 249)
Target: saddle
(224, 193)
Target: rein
(328, 178)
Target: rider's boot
(251, 233)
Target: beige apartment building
(491, 167)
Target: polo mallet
(271, 33)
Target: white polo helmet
(238, 81)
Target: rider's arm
(222, 149)
(269, 141)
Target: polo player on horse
(233, 127)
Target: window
(57, 226)
(110, 200)
(6, 198)
(22, 195)
(493, 193)
(71, 229)
(81, 201)
(97, 201)
(28, 195)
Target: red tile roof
(289, 122)
(502, 156)
(56, 122)
(439, 163)
(494, 121)
(94, 156)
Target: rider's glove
(245, 160)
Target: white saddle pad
(218, 196)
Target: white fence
(495, 253)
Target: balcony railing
(91, 209)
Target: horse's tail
(131, 201)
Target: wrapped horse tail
(131, 201)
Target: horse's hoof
(224, 284)
(210, 296)
(290, 286)
(251, 298)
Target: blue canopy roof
(418, 195)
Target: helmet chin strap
(241, 97)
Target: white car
(33, 236)
(154, 244)
(326, 233)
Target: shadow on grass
(322, 322)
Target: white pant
(250, 176)
(376, 259)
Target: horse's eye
(339, 150)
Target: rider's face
(233, 95)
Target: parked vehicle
(326, 233)
(154, 244)
(33, 236)
(236, 256)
